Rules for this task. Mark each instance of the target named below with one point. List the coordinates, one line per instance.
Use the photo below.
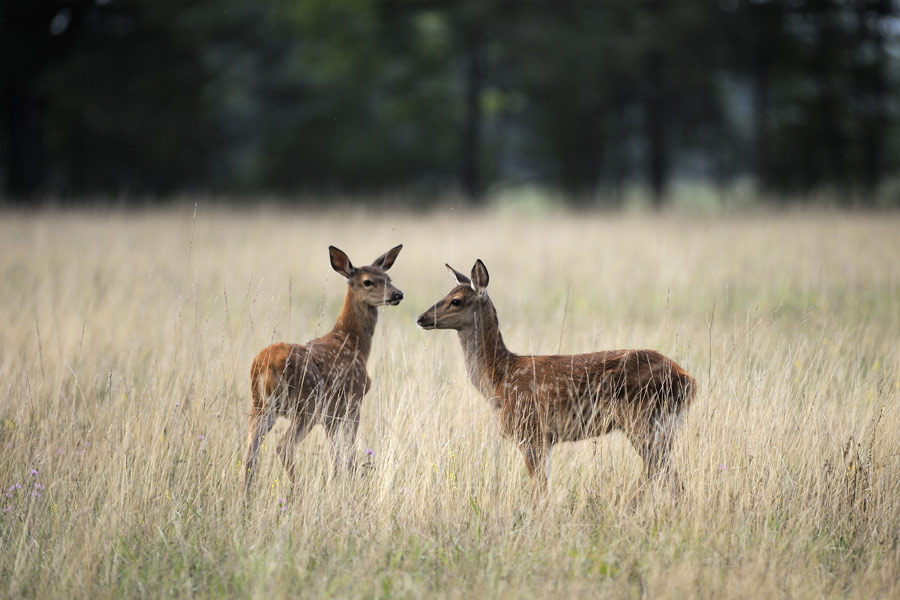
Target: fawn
(325, 380)
(539, 401)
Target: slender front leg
(342, 435)
(260, 425)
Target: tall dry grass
(125, 342)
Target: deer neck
(486, 356)
(355, 325)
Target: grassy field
(125, 344)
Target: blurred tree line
(153, 97)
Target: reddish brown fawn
(325, 380)
(543, 400)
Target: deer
(325, 380)
(540, 401)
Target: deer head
(460, 308)
(370, 284)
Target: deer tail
(262, 380)
(256, 369)
(688, 391)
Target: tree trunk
(761, 115)
(470, 177)
(24, 145)
(657, 142)
(656, 120)
(871, 91)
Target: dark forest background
(148, 98)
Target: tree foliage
(154, 97)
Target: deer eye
(455, 302)
(367, 283)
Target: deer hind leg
(537, 460)
(260, 424)
(300, 426)
(663, 434)
(653, 442)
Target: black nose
(420, 320)
(398, 296)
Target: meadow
(125, 345)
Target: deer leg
(642, 442)
(547, 465)
(260, 425)
(342, 435)
(662, 432)
(654, 443)
(537, 459)
(303, 413)
(300, 426)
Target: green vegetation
(126, 340)
(149, 98)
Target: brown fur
(540, 401)
(325, 380)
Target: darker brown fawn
(325, 380)
(542, 400)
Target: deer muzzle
(427, 320)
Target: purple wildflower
(201, 437)
(34, 472)
(370, 452)
(723, 468)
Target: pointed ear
(460, 278)
(387, 259)
(340, 262)
(480, 276)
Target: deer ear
(460, 278)
(387, 259)
(340, 262)
(480, 276)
